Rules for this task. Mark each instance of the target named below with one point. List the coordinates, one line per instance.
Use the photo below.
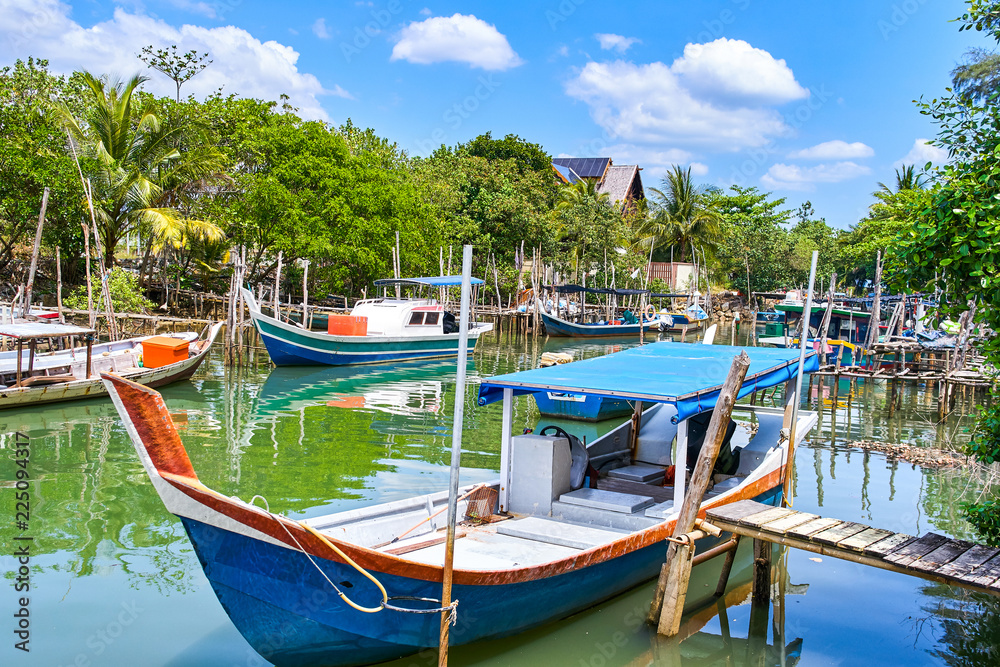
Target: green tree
(680, 215)
(134, 156)
(753, 249)
(179, 67)
(33, 156)
(955, 244)
(526, 155)
(978, 78)
(906, 179)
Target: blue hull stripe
(291, 616)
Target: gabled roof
(618, 182)
(585, 167)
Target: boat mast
(803, 338)
(456, 452)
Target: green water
(114, 580)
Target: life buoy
(650, 312)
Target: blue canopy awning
(434, 281)
(687, 375)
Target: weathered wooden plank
(837, 533)
(787, 523)
(969, 562)
(943, 555)
(760, 518)
(916, 549)
(986, 574)
(814, 526)
(864, 538)
(888, 545)
(735, 511)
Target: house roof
(618, 182)
(565, 174)
(585, 167)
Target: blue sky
(809, 100)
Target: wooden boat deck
(935, 557)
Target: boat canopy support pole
(680, 463)
(671, 589)
(506, 429)
(20, 348)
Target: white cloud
(425, 12)
(457, 38)
(320, 30)
(242, 64)
(794, 177)
(834, 150)
(617, 42)
(717, 96)
(922, 153)
(733, 71)
(649, 104)
(698, 169)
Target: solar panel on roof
(585, 167)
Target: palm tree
(138, 164)
(582, 205)
(906, 179)
(680, 215)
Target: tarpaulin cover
(686, 375)
(435, 281)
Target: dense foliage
(954, 245)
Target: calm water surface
(114, 580)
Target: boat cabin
(418, 315)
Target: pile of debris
(924, 456)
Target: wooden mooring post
(671, 589)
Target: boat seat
(656, 435)
(768, 431)
(645, 474)
(493, 551)
(613, 501)
(559, 532)
(123, 362)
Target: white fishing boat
(30, 378)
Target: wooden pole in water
(456, 453)
(277, 285)
(26, 303)
(305, 293)
(671, 590)
(59, 286)
(806, 313)
(90, 289)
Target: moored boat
(28, 378)
(376, 331)
(360, 586)
(556, 326)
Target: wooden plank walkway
(933, 556)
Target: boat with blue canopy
(567, 524)
(377, 330)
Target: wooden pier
(934, 557)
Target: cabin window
(432, 319)
(416, 318)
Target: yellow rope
(322, 538)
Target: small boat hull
(22, 397)
(555, 326)
(581, 407)
(289, 614)
(290, 345)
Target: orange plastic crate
(347, 325)
(161, 351)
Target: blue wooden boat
(394, 330)
(339, 590)
(565, 405)
(556, 326)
